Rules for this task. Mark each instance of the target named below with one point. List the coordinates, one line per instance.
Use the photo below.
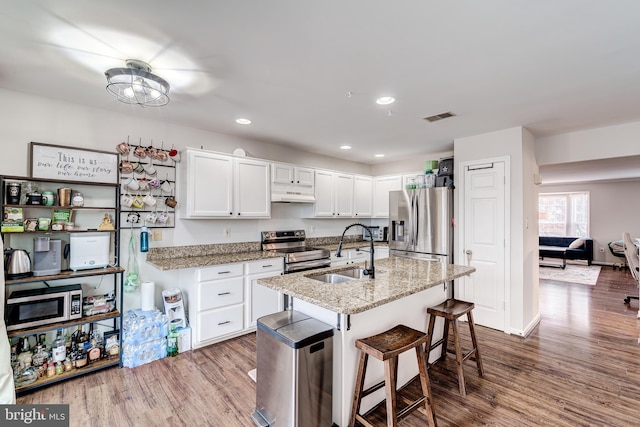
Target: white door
(483, 236)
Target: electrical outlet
(227, 232)
(312, 230)
(157, 234)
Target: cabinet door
(262, 300)
(381, 252)
(252, 191)
(324, 205)
(209, 185)
(343, 260)
(344, 194)
(363, 192)
(304, 176)
(383, 185)
(282, 174)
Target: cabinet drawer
(220, 293)
(215, 323)
(265, 266)
(219, 272)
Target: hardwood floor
(579, 367)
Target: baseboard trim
(530, 327)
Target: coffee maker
(47, 256)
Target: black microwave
(43, 306)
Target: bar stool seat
(451, 310)
(386, 347)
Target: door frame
(462, 167)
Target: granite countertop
(179, 257)
(395, 278)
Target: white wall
(592, 144)
(614, 208)
(414, 163)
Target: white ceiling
(551, 66)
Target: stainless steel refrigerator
(421, 224)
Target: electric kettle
(17, 263)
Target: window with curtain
(563, 214)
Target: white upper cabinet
(251, 190)
(290, 183)
(363, 192)
(209, 185)
(382, 186)
(225, 186)
(334, 194)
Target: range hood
(291, 197)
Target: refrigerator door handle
(417, 219)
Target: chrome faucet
(371, 271)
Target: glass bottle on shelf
(59, 348)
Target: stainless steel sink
(331, 278)
(354, 273)
(341, 276)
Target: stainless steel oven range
(297, 256)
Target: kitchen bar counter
(395, 278)
(400, 294)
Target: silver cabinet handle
(224, 272)
(224, 293)
(224, 323)
(267, 266)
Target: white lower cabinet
(349, 256)
(224, 301)
(262, 301)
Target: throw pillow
(576, 244)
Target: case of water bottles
(144, 337)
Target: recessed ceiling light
(379, 155)
(345, 147)
(242, 121)
(385, 100)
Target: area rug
(584, 274)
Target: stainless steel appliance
(297, 256)
(294, 374)
(379, 234)
(421, 224)
(47, 256)
(17, 263)
(43, 306)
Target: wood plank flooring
(579, 367)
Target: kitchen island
(402, 290)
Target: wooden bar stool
(451, 310)
(386, 347)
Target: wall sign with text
(72, 164)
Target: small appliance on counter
(17, 264)
(88, 250)
(379, 234)
(47, 256)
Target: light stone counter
(175, 258)
(395, 278)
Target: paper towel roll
(147, 295)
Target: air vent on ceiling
(440, 116)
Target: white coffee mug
(149, 200)
(150, 169)
(126, 200)
(132, 183)
(166, 187)
(151, 218)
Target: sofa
(582, 249)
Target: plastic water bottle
(144, 239)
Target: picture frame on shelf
(60, 162)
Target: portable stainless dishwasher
(294, 375)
